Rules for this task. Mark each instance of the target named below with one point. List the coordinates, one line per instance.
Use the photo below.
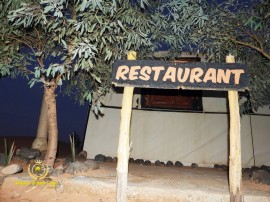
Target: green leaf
(96, 110)
(38, 54)
(120, 24)
(49, 71)
(59, 82)
(32, 82)
(37, 73)
(47, 9)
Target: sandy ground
(146, 183)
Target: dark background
(20, 108)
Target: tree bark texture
(235, 164)
(42, 131)
(52, 123)
(123, 145)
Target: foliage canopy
(76, 41)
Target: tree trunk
(52, 123)
(42, 132)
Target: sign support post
(123, 145)
(170, 75)
(235, 165)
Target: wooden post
(235, 165)
(123, 145)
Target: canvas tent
(188, 136)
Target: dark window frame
(164, 99)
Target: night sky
(20, 108)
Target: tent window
(173, 99)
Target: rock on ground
(82, 156)
(11, 169)
(91, 164)
(28, 153)
(178, 164)
(260, 176)
(100, 158)
(76, 167)
(194, 165)
(40, 143)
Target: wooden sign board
(170, 75)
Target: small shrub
(8, 153)
(72, 146)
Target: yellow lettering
(222, 76)
(170, 74)
(157, 71)
(121, 71)
(133, 74)
(195, 75)
(237, 73)
(186, 74)
(145, 73)
(211, 74)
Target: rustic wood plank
(235, 165)
(123, 146)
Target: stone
(194, 165)
(11, 169)
(59, 187)
(100, 158)
(178, 164)
(157, 163)
(2, 159)
(58, 171)
(246, 170)
(67, 161)
(82, 156)
(91, 164)
(42, 155)
(139, 161)
(40, 143)
(28, 153)
(217, 166)
(20, 159)
(147, 162)
(162, 164)
(260, 176)
(253, 168)
(76, 167)
(169, 164)
(131, 160)
(108, 159)
(266, 168)
(224, 167)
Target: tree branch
(23, 42)
(25, 70)
(260, 50)
(253, 36)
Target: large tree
(76, 41)
(241, 28)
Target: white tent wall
(200, 138)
